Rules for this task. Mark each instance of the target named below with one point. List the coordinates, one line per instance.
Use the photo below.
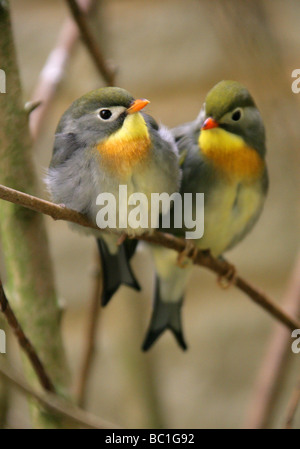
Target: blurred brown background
(173, 52)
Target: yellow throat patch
(127, 147)
(230, 154)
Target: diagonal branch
(221, 267)
(271, 372)
(45, 207)
(53, 71)
(90, 333)
(57, 405)
(95, 52)
(25, 342)
(202, 258)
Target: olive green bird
(223, 156)
(104, 141)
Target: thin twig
(30, 106)
(24, 342)
(53, 70)
(95, 52)
(89, 349)
(202, 258)
(293, 406)
(271, 370)
(57, 405)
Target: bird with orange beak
(223, 156)
(104, 141)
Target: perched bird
(223, 156)
(103, 142)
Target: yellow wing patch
(127, 147)
(230, 154)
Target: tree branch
(53, 70)
(45, 207)
(90, 333)
(202, 258)
(57, 405)
(24, 342)
(95, 52)
(272, 369)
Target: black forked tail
(116, 269)
(165, 315)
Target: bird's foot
(226, 280)
(190, 252)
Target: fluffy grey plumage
(90, 156)
(233, 195)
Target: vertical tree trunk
(30, 283)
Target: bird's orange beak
(137, 105)
(210, 123)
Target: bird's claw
(226, 280)
(190, 251)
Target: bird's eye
(236, 115)
(111, 114)
(105, 114)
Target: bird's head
(230, 107)
(104, 114)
